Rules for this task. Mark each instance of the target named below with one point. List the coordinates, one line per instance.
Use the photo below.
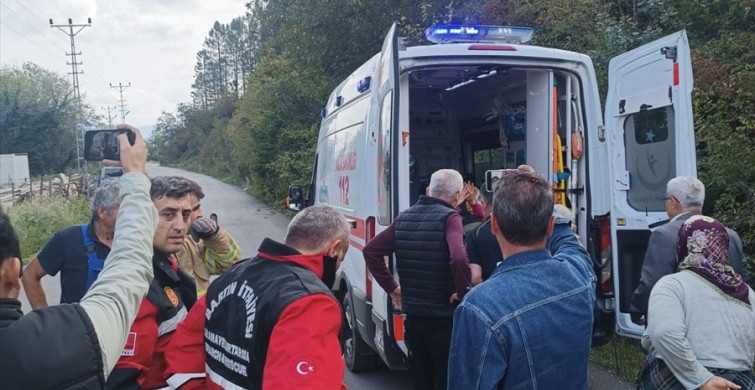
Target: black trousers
(429, 342)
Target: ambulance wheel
(356, 353)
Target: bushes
(37, 220)
(725, 132)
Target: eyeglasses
(668, 198)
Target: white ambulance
(477, 100)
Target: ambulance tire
(358, 356)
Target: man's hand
(465, 190)
(133, 157)
(471, 192)
(203, 228)
(718, 383)
(396, 298)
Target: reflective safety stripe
(177, 380)
(211, 257)
(221, 381)
(170, 324)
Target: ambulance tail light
(606, 279)
(398, 326)
(369, 233)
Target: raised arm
(113, 300)
(220, 252)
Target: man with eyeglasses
(684, 198)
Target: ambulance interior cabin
(481, 117)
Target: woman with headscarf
(701, 321)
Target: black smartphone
(492, 176)
(103, 144)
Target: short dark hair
(194, 188)
(170, 186)
(523, 206)
(9, 245)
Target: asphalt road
(249, 221)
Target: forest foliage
(37, 110)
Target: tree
(37, 117)
(725, 131)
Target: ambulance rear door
(650, 131)
(384, 107)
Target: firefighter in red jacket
(270, 322)
(171, 294)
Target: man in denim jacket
(530, 325)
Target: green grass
(622, 356)
(38, 219)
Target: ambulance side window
(385, 161)
(650, 157)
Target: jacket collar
(10, 311)
(424, 199)
(166, 264)
(273, 250)
(522, 258)
(683, 216)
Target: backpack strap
(95, 264)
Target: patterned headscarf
(702, 247)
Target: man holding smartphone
(76, 345)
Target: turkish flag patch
(304, 369)
(130, 347)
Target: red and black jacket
(267, 323)
(171, 294)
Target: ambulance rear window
(650, 157)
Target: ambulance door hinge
(402, 43)
(669, 52)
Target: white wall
(14, 168)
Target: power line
(27, 25)
(46, 50)
(76, 92)
(120, 87)
(24, 36)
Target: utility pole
(110, 117)
(120, 87)
(71, 30)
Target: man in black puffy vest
(75, 346)
(433, 270)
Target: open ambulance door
(384, 108)
(648, 118)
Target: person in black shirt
(78, 260)
(482, 248)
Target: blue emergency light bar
(493, 34)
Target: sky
(151, 44)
